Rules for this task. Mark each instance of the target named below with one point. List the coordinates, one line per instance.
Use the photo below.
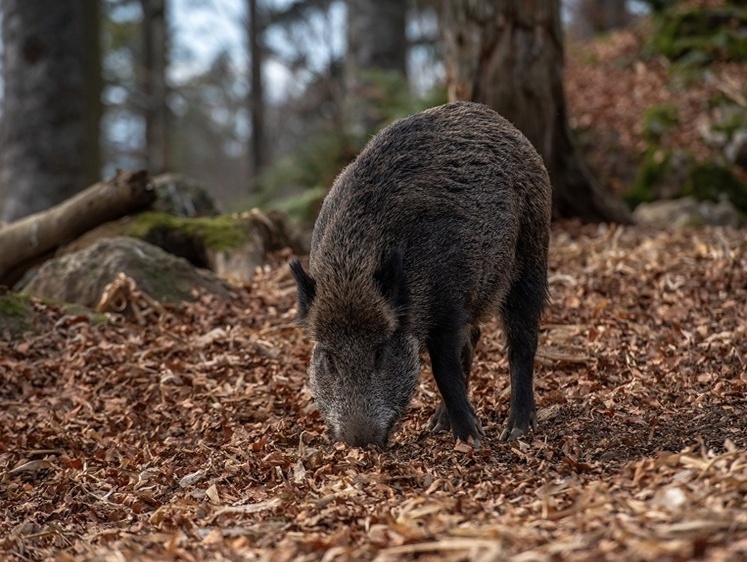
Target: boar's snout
(360, 432)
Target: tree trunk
(509, 56)
(256, 94)
(154, 86)
(51, 103)
(376, 44)
(35, 235)
(94, 86)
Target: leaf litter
(187, 432)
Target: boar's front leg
(446, 348)
(471, 335)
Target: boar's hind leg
(440, 419)
(451, 358)
(521, 317)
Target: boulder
(81, 277)
(687, 211)
(183, 196)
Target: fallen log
(23, 242)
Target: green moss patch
(701, 35)
(219, 233)
(18, 314)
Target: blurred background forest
(265, 100)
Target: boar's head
(365, 364)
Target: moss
(13, 305)
(219, 233)
(712, 181)
(650, 175)
(699, 35)
(16, 314)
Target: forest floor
(188, 433)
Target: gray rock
(183, 196)
(80, 277)
(687, 211)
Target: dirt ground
(188, 433)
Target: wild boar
(440, 222)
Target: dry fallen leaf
(193, 435)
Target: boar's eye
(328, 360)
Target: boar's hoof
(468, 427)
(439, 420)
(515, 429)
(514, 435)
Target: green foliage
(657, 120)
(218, 233)
(650, 175)
(707, 181)
(657, 163)
(302, 207)
(297, 182)
(697, 36)
(711, 181)
(315, 162)
(728, 116)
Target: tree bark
(376, 43)
(154, 86)
(24, 240)
(256, 94)
(604, 15)
(51, 103)
(509, 56)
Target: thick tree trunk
(154, 86)
(509, 55)
(50, 112)
(24, 240)
(377, 44)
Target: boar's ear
(306, 287)
(392, 283)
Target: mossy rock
(189, 238)
(81, 277)
(700, 35)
